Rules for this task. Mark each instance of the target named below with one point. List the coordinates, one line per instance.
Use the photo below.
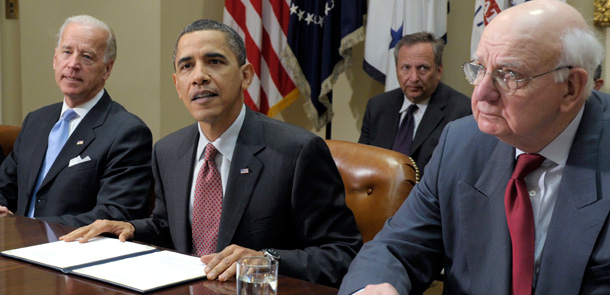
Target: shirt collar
(406, 103)
(82, 109)
(225, 144)
(559, 149)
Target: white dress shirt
(418, 114)
(543, 184)
(81, 110)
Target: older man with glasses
(516, 198)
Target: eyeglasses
(507, 81)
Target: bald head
(539, 20)
(542, 15)
(545, 49)
(549, 32)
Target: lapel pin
(80, 142)
(244, 171)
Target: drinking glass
(257, 276)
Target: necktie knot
(210, 152)
(526, 163)
(412, 108)
(68, 115)
(404, 136)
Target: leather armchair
(376, 181)
(8, 135)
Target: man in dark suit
(494, 227)
(419, 65)
(282, 195)
(103, 169)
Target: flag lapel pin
(80, 142)
(244, 171)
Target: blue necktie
(57, 139)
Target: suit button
(41, 201)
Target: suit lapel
(483, 222)
(82, 137)
(241, 185)
(41, 135)
(390, 118)
(178, 187)
(578, 215)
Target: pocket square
(78, 160)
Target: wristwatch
(271, 253)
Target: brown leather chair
(8, 135)
(376, 181)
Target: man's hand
(4, 211)
(381, 289)
(223, 265)
(124, 230)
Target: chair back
(376, 180)
(8, 135)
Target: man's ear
(577, 79)
(108, 69)
(247, 72)
(176, 84)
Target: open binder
(134, 266)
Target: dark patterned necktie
(207, 205)
(404, 136)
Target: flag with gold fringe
(297, 47)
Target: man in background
(410, 119)
(238, 183)
(516, 198)
(87, 157)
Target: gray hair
(438, 45)
(235, 42)
(580, 49)
(110, 53)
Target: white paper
(62, 254)
(149, 271)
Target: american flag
(264, 26)
(297, 47)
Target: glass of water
(257, 276)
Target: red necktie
(207, 205)
(520, 217)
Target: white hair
(110, 53)
(580, 49)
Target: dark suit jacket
(381, 120)
(292, 199)
(113, 185)
(455, 218)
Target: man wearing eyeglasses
(410, 119)
(516, 198)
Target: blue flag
(321, 35)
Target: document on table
(148, 272)
(130, 265)
(62, 255)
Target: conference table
(17, 277)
